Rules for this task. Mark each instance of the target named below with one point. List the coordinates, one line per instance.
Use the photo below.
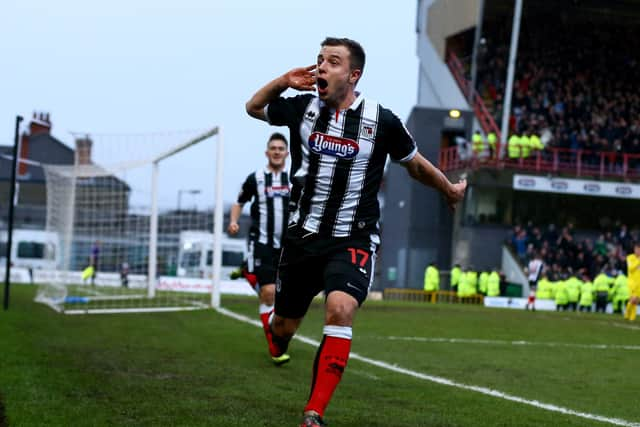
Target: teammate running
(269, 190)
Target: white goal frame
(152, 268)
(218, 214)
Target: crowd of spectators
(563, 254)
(577, 88)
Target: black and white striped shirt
(269, 209)
(338, 160)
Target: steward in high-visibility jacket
(513, 147)
(544, 288)
(483, 282)
(561, 297)
(492, 140)
(586, 296)
(601, 285)
(493, 284)
(620, 293)
(431, 278)
(573, 292)
(477, 143)
(456, 271)
(525, 146)
(464, 290)
(536, 143)
(472, 281)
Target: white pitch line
(445, 381)
(515, 343)
(618, 325)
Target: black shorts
(310, 264)
(262, 260)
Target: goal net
(123, 213)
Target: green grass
(204, 369)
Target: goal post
(218, 216)
(109, 213)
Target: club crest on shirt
(367, 130)
(336, 146)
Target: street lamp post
(185, 191)
(12, 189)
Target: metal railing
(578, 163)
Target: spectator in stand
(520, 244)
(536, 238)
(583, 95)
(551, 235)
(624, 238)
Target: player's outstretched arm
(303, 78)
(423, 171)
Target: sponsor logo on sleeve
(336, 146)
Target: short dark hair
(356, 52)
(279, 137)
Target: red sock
(264, 318)
(251, 277)
(331, 360)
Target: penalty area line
(444, 381)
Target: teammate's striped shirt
(338, 160)
(269, 209)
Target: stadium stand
(570, 252)
(575, 86)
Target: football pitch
(413, 364)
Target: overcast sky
(149, 66)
